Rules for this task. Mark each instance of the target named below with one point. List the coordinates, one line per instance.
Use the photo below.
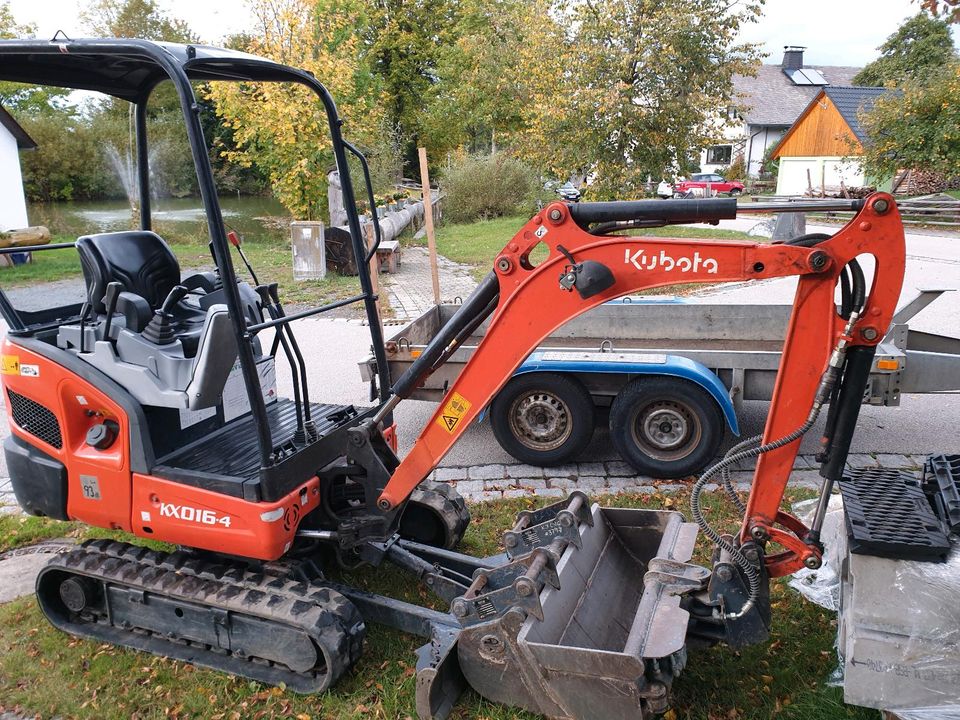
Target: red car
(716, 182)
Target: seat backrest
(139, 260)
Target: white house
(767, 104)
(13, 203)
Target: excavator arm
(585, 269)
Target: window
(719, 154)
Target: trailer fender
(634, 363)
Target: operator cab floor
(231, 455)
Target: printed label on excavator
(456, 407)
(10, 364)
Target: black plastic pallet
(941, 482)
(888, 516)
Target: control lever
(110, 298)
(235, 241)
(160, 330)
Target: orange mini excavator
(150, 408)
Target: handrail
(373, 206)
(35, 248)
(305, 313)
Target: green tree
(916, 127)
(631, 86)
(921, 45)
(19, 97)
(134, 19)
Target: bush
(737, 169)
(481, 187)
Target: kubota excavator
(150, 408)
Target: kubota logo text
(667, 263)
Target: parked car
(664, 190)
(718, 185)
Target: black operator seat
(146, 268)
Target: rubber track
(443, 499)
(327, 617)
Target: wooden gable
(820, 131)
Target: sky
(835, 32)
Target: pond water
(175, 218)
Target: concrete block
(487, 495)
(591, 468)
(469, 486)
(486, 472)
(618, 468)
(516, 493)
(523, 471)
(860, 460)
(498, 484)
(550, 493)
(899, 462)
(450, 474)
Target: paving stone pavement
(410, 289)
(483, 483)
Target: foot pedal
(888, 515)
(941, 483)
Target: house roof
(851, 101)
(772, 99)
(24, 141)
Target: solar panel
(814, 76)
(806, 76)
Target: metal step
(888, 515)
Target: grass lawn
(46, 672)
(479, 242)
(270, 257)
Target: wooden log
(36, 235)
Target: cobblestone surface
(410, 290)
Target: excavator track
(211, 612)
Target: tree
(134, 19)
(19, 97)
(917, 126)
(949, 10)
(281, 127)
(921, 45)
(631, 85)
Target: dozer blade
(612, 634)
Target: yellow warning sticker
(456, 407)
(10, 364)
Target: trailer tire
(543, 418)
(666, 427)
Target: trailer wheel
(543, 418)
(666, 427)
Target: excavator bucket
(583, 621)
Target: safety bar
(306, 313)
(373, 206)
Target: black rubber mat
(941, 482)
(232, 451)
(888, 515)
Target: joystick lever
(160, 328)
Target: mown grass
(45, 672)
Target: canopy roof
(129, 69)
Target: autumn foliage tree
(282, 127)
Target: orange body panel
(186, 515)
(78, 406)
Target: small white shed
(13, 203)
